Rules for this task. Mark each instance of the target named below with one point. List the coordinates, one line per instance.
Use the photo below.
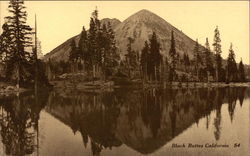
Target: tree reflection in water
(144, 120)
(19, 123)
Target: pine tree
(178, 63)
(144, 61)
(165, 73)
(231, 65)
(83, 49)
(98, 48)
(197, 59)
(130, 57)
(93, 40)
(111, 56)
(186, 61)
(20, 35)
(73, 55)
(217, 50)
(172, 58)
(208, 59)
(182, 62)
(1, 49)
(6, 44)
(155, 57)
(105, 50)
(242, 76)
(49, 71)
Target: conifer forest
(139, 86)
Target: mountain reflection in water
(134, 122)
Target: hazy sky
(60, 20)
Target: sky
(60, 20)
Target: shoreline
(88, 86)
(207, 85)
(7, 90)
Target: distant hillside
(62, 51)
(114, 22)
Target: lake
(126, 122)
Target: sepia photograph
(124, 78)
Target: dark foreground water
(127, 122)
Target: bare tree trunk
(207, 76)
(129, 74)
(83, 66)
(216, 74)
(227, 76)
(18, 76)
(104, 74)
(155, 74)
(36, 61)
(197, 74)
(146, 73)
(72, 67)
(94, 73)
(76, 67)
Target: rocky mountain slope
(139, 26)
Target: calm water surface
(126, 122)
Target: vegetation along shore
(114, 54)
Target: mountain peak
(144, 11)
(143, 14)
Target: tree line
(97, 54)
(205, 66)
